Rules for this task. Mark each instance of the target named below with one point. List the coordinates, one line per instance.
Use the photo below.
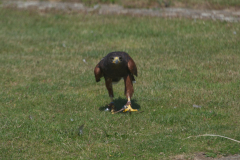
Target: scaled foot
(128, 108)
(111, 107)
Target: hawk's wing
(132, 66)
(98, 73)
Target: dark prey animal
(114, 67)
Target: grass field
(48, 89)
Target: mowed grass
(48, 87)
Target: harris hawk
(113, 67)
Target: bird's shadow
(119, 103)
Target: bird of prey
(113, 67)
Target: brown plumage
(114, 67)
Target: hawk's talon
(128, 108)
(111, 107)
(113, 110)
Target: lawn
(48, 89)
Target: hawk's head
(116, 59)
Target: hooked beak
(116, 60)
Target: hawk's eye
(120, 58)
(112, 58)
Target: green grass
(47, 91)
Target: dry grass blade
(213, 135)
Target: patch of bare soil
(222, 15)
(203, 156)
(193, 4)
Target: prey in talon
(114, 67)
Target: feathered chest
(114, 70)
